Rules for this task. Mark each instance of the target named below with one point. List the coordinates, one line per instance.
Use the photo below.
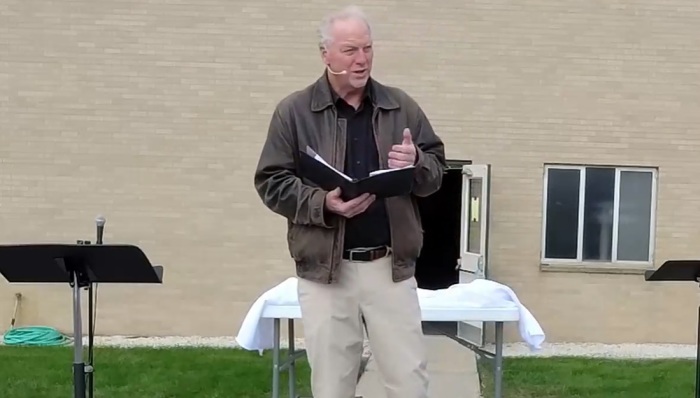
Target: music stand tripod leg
(78, 363)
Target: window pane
(598, 214)
(475, 200)
(635, 216)
(561, 236)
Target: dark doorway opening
(441, 215)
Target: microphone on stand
(92, 308)
(100, 221)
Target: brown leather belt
(366, 255)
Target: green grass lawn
(218, 373)
(140, 372)
(592, 378)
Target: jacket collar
(322, 95)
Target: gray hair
(349, 12)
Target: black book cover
(382, 183)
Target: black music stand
(80, 266)
(681, 271)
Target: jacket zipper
(381, 161)
(334, 161)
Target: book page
(374, 173)
(318, 158)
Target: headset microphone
(343, 72)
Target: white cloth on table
(257, 333)
(484, 293)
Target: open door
(473, 261)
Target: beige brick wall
(153, 113)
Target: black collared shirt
(371, 228)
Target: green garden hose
(36, 336)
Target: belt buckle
(368, 251)
(352, 252)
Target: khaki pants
(334, 332)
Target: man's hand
(403, 155)
(350, 208)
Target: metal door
(473, 262)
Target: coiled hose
(35, 336)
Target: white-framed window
(598, 214)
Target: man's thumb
(335, 192)
(407, 139)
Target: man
(355, 259)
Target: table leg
(498, 374)
(292, 361)
(276, 360)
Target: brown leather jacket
(315, 237)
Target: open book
(383, 183)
